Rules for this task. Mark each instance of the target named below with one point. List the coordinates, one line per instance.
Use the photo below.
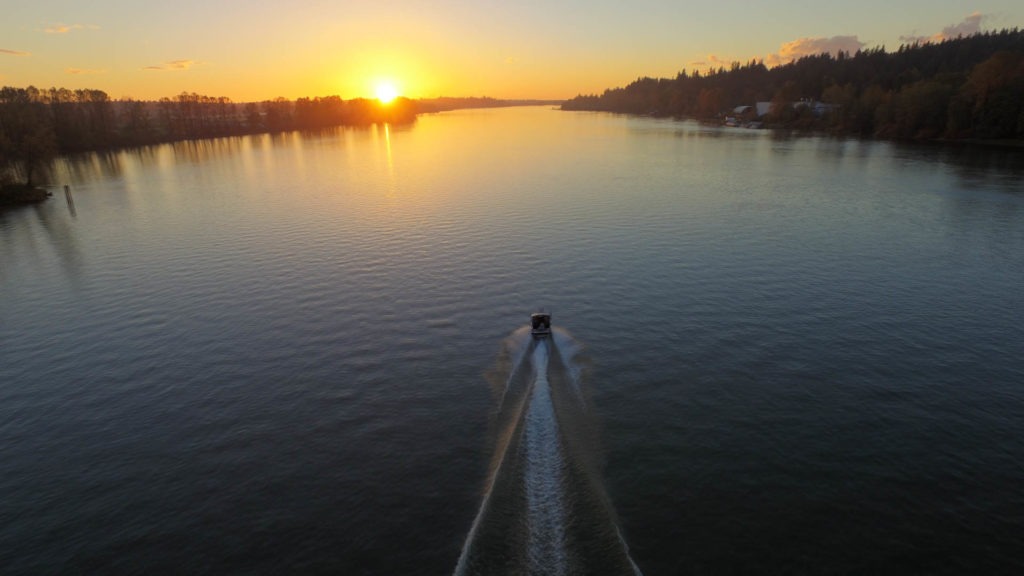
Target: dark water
(285, 354)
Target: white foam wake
(516, 346)
(568, 348)
(545, 498)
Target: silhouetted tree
(136, 125)
(709, 102)
(27, 131)
(782, 109)
(996, 88)
(965, 87)
(36, 124)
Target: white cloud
(966, 27)
(174, 65)
(969, 25)
(801, 47)
(715, 60)
(712, 62)
(63, 29)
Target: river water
(294, 353)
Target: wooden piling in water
(71, 202)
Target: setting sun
(386, 92)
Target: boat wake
(544, 511)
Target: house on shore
(750, 116)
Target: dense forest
(964, 88)
(35, 124)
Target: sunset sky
(527, 49)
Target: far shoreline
(1006, 143)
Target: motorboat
(540, 324)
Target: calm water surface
(278, 354)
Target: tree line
(964, 88)
(36, 124)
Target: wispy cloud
(174, 66)
(14, 52)
(84, 71)
(969, 25)
(712, 62)
(801, 47)
(511, 60)
(716, 60)
(966, 27)
(63, 29)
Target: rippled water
(277, 354)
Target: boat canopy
(540, 324)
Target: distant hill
(964, 88)
(446, 103)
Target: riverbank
(967, 89)
(20, 194)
